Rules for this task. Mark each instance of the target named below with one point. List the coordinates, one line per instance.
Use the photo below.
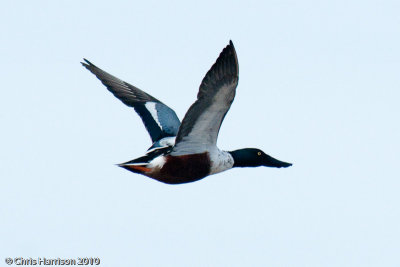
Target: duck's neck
(241, 159)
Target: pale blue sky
(319, 87)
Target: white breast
(220, 161)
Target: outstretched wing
(159, 120)
(200, 126)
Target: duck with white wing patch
(187, 152)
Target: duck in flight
(186, 152)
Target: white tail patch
(157, 163)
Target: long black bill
(271, 162)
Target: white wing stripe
(151, 107)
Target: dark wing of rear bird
(200, 126)
(159, 120)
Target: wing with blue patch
(200, 126)
(159, 120)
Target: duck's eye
(259, 153)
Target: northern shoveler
(186, 152)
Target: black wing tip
(87, 64)
(225, 69)
(228, 54)
(230, 46)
